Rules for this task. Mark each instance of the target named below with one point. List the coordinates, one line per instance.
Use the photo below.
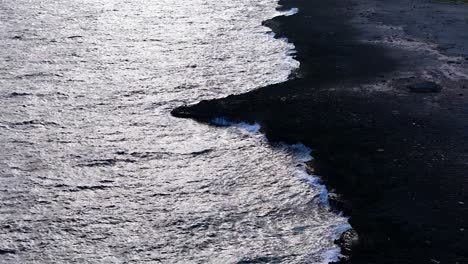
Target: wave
(301, 155)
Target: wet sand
(394, 159)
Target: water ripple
(93, 168)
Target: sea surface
(94, 169)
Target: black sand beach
(381, 97)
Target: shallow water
(93, 168)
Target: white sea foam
(332, 255)
(221, 121)
(301, 154)
(290, 12)
(225, 196)
(315, 182)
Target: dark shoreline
(396, 160)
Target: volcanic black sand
(381, 97)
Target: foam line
(302, 155)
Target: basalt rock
(348, 240)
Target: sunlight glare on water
(93, 168)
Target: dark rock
(348, 241)
(424, 87)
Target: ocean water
(94, 169)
